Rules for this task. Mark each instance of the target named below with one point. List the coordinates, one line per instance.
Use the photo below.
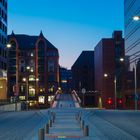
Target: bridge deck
(65, 125)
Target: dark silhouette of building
(83, 76)
(109, 70)
(33, 69)
(65, 79)
(3, 55)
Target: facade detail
(33, 68)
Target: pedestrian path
(65, 124)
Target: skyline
(72, 26)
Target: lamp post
(115, 95)
(115, 85)
(83, 92)
(135, 89)
(135, 18)
(27, 84)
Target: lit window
(32, 54)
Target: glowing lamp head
(136, 18)
(105, 75)
(121, 59)
(8, 45)
(24, 79)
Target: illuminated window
(41, 99)
(31, 91)
(31, 78)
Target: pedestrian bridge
(65, 124)
(66, 101)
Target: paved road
(116, 125)
(21, 125)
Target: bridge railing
(76, 96)
(54, 101)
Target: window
(22, 69)
(31, 91)
(31, 78)
(50, 66)
(51, 78)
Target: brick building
(33, 68)
(109, 70)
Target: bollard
(76, 117)
(79, 119)
(41, 135)
(82, 124)
(86, 131)
(47, 128)
(50, 123)
(53, 117)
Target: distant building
(132, 46)
(33, 68)
(3, 55)
(65, 79)
(83, 76)
(109, 70)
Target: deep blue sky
(71, 25)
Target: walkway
(65, 125)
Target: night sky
(71, 25)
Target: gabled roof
(85, 58)
(24, 41)
(28, 42)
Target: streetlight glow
(105, 75)
(32, 70)
(8, 45)
(136, 18)
(121, 59)
(24, 79)
(28, 67)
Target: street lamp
(8, 45)
(136, 18)
(121, 59)
(135, 81)
(27, 84)
(83, 92)
(115, 84)
(105, 75)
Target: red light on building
(109, 101)
(119, 101)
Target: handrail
(77, 98)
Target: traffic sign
(83, 90)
